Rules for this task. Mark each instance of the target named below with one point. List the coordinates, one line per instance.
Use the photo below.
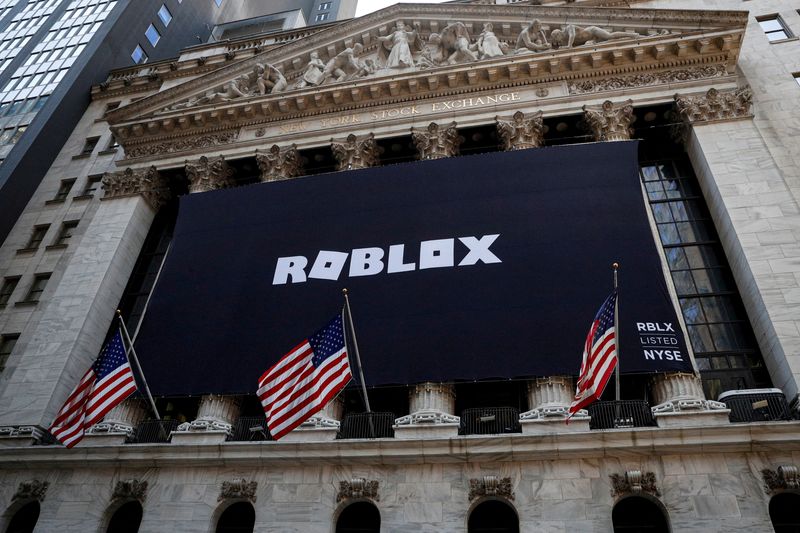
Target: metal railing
(367, 426)
(250, 428)
(154, 431)
(489, 421)
(621, 414)
(756, 405)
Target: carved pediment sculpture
(399, 45)
(355, 152)
(519, 133)
(436, 142)
(280, 164)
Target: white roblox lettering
(439, 253)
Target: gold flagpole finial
(615, 265)
(344, 291)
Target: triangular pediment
(412, 51)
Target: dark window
(126, 519)
(359, 517)
(165, 15)
(37, 287)
(493, 516)
(324, 6)
(636, 514)
(25, 519)
(37, 236)
(92, 183)
(725, 348)
(783, 512)
(774, 27)
(138, 55)
(321, 17)
(63, 190)
(67, 229)
(238, 518)
(7, 343)
(89, 145)
(7, 289)
(40, 103)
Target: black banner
(478, 267)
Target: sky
(368, 6)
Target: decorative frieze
(130, 489)
(785, 477)
(519, 132)
(31, 490)
(215, 413)
(715, 105)
(430, 403)
(209, 174)
(645, 79)
(634, 482)
(145, 182)
(491, 486)
(610, 121)
(355, 152)
(280, 164)
(358, 487)
(238, 489)
(436, 142)
(185, 144)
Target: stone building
(712, 95)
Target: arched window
(24, 520)
(636, 514)
(493, 516)
(238, 518)
(126, 519)
(783, 512)
(359, 517)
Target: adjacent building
(175, 200)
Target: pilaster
(680, 402)
(610, 121)
(215, 418)
(209, 174)
(518, 132)
(431, 406)
(354, 152)
(550, 399)
(118, 425)
(280, 163)
(436, 142)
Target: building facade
(711, 95)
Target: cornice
(765, 437)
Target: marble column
(519, 132)
(78, 305)
(354, 152)
(118, 425)
(431, 406)
(322, 426)
(436, 142)
(209, 174)
(213, 423)
(610, 121)
(280, 163)
(550, 399)
(680, 401)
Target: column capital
(610, 121)
(436, 142)
(355, 152)
(144, 182)
(518, 132)
(280, 163)
(680, 399)
(715, 106)
(209, 174)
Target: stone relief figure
(572, 35)
(454, 44)
(532, 38)
(268, 80)
(488, 43)
(313, 73)
(236, 88)
(344, 65)
(399, 45)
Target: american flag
(107, 383)
(599, 357)
(305, 379)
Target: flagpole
(355, 348)
(615, 266)
(149, 295)
(138, 366)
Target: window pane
(692, 310)
(655, 190)
(662, 213)
(668, 233)
(165, 15)
(720, 309)
(152, 35)
(683, 282)
(777, 35)
(650, 174)
(693, 232)
(676, 257)
(712, 280)
(700, 338)
(770, 25)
